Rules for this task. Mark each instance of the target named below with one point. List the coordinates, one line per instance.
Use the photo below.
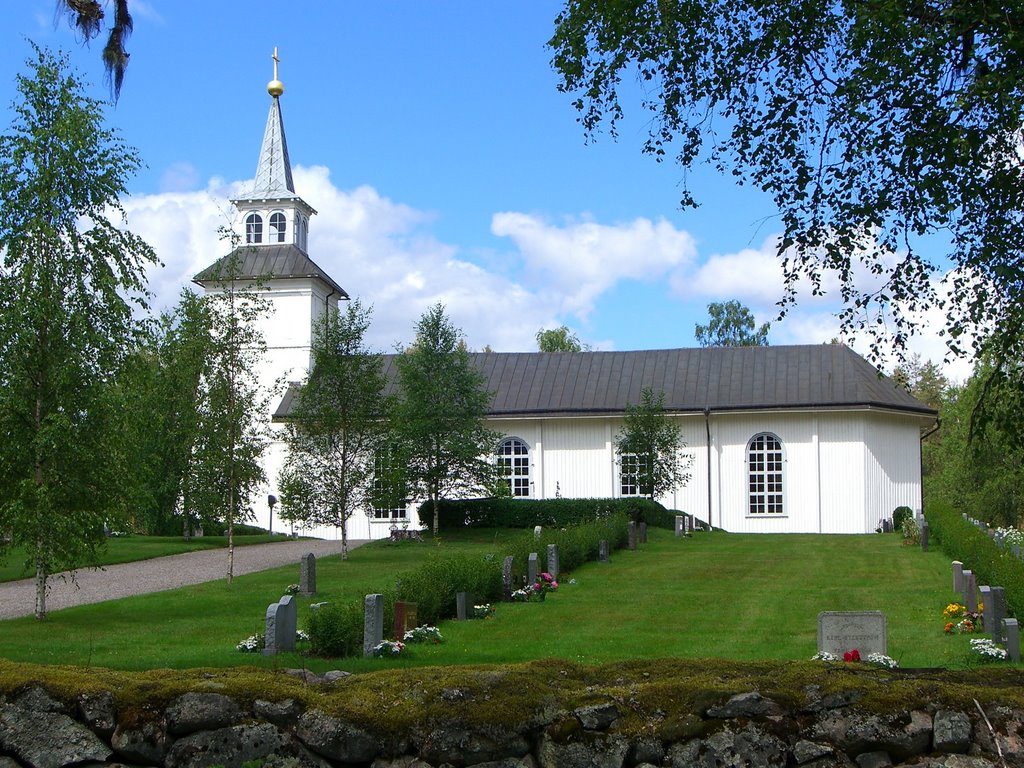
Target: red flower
(853, 655)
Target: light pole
(271, 501)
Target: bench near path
(94, 585)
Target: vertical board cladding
(841, 447)
(892, 476)
(578, 458)
(795, 431)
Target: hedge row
(527, 513)
(964, 542)
(337, 629)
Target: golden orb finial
(275, 87)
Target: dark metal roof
(822, 376)
(267, 261)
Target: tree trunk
(40, 584)
(437, 512)
(344, 538)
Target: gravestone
(691, 523)
(307, 575)
(886, 525)
(531, 568)
(279, 628)
(506, 578)
(924, 535)
(602, 551)
(987, 623)
(1011, 631)
(553, 561)
(463, 605)
(680, 525)
(373, 623)
(643, 533)
(998, 613)
(631, 528)
(1016, 550)
(405, 618)
(537, 531)
(970, 591)
(842, 631)
(958, 576)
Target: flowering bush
(824, 656)
(522, 595)
(960, 621)
(988, 650)
(293, 589)
(1012, 536)
(881, 660)
(482, 611)
(545, 583)
(256, 643)
(424, 634)
(388, 648)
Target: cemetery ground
(724, 596)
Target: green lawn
(128, 549)
(714, 596)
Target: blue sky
(445, 166)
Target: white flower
(881, 660)
(987, 649)
(824, 656)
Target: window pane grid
(764, 468)
(513, 463)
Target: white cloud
(581, 260)
(179, 177)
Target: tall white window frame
(253, 229)
(512, 457)
(630, 466)
(766, 461)
(278, 227)
(384, 487)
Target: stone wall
(636, 719)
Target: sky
(444, 164)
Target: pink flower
(853, 655)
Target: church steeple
(274, 213)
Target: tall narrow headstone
(506, 578)
(1011, 631)
(538, 530)
(987, 608)
(553, 560)
(680, 525)
(270, 629)
(373, 623)
(631, 528)
(692, 523)
(924, 535)
(463, 605)
(970, 591)
(531, 568)
(998, 613)
(1015, 548)
(642, 533)
(958, 576)
(602, 551)
(307, 575)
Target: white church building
(787, 439)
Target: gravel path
(17, 598)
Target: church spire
(274, 169)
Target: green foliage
(69, 279)
(434, 584)
(439, 420)
(871, 125)
(964, 542)
(977, 465)
(506, 512)
(901, 515)
(731, 324)
(654, 444)
(336, 629)
(339, 426)
(561, 339)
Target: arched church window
(764, 475)
(254, 228)
(513, 460)
(277, 227)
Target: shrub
(506, 512)
(434, 584)
(899, 515)
(337, 629)
(962, 541)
